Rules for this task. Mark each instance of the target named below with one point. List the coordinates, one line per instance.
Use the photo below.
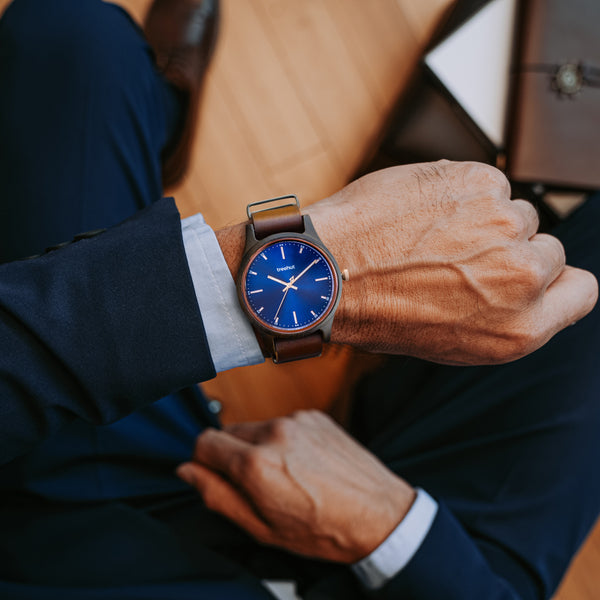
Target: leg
(512, 450)
(84, 117)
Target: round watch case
(289, 284)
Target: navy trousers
(97, 513)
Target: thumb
(570, 297)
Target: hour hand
(287, 284)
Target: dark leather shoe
(183, 35)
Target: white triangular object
(474, 65)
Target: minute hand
(294, 279)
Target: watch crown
(345, 275)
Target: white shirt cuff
(395, 552)
(231, 339)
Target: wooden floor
(297, 97)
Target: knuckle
(561, 253)
(310, 415)
(281, 429)
(203, 441)
(487, 177)
(519, 284)
(249, 463)
(311, 420)
(554, 251)
(524, 291)
(513, 223)
(533, 280)
(495, 178)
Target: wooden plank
(419, 16)
(271, 115)
(582, 581)
(323, 75)
(227, 171)
(381, 43)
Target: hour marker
(260, 309)
(313, 313)
(301, 249)
(253, 272)
(257, 291)
(324, 297)
(263, 255)
(276, 320)
(322, 279)
(295, 318)
(282, 252)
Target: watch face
(289, 285)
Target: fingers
(552, 256)
(253, 433)
(529, 214)
(569, 298)
(222, 497)
(221, 451)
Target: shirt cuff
(231, 339)
(395, 552)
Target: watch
(289, 284)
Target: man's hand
(299, 483)
(444, 266)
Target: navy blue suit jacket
(106, 325)
(98, 329)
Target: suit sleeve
(451, 565)
(98, 329)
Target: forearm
(442, 266)
(98, 329)
(232, 239)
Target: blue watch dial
(289, 285)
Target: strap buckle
(278, 199)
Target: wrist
(393, 504)
(231, 240)
(286, 241)
(332, 224)
(398, 549)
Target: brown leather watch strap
(286, 350)
(286, 218)
(276, 220)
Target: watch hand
(294, 279)
(281, 304)
(285, 283)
